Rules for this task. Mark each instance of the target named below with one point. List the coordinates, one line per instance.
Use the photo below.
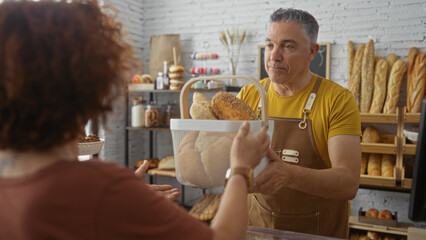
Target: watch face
(228, 173)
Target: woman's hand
(247, 150)
(166, 191)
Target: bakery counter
(256, 233)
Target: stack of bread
(176, 77)
(203, 156)
(375, 82)
(205, 209)
(373, 163)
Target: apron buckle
(290, 159)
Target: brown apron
(290, 209)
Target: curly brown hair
(61, 64)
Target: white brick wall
(394, 25)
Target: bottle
(138, 112)
(166, 75)
(160, 81)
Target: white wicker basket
(90, 148)
(210, 172)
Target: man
(315, 171)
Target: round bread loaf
(201, 107)
(371, 135)
(372, 212)
(228, 107)
(385, 214)
(203, 158)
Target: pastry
(379, 93)
(354, 84)
(388, 163)
(394, 85)
(371, 135)
(386, 214)
(367, 77)
(411, 58)
(372, 212)
(374, 165)
(201, 107)
(228, 107)
(416, 90)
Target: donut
(176, 82)
(176, 68)
(175, 75)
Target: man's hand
(166, 191)
(272, 179)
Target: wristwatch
(246, 172)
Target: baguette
(351, 56)
(364, 160)
(412, 55)
(416, 91)
(367, 77)
(388, 163)
(394, 85)
(391, 58)
(379, 94)
(374, 165)
(354, 85)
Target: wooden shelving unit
(397, 146)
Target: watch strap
(246, 172)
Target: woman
(62, 64)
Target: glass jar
(152, 115)
(138, 112)
(172, 111)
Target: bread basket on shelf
(202, 147)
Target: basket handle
(187, 85)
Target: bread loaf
(388, 163)
(201, 107)
(373, 235)
(385, 214)
(371, 135)
(411, 58)
(203, 158)
(394, 85)
(416, 90)
(367, 77)
(201, 205)
(228, 107)
(379, 94)
(210, 211)
(374, 165)
(364, 160)
(372, 212)
(354, 84)
(351, 56)
(391, 58)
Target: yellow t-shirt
(334, 111)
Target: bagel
(175, 75)
(176, 68)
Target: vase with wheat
(232, 41)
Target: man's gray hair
(310, 25)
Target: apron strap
(309, 103)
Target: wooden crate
(378, 221)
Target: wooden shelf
(379, 118)
(377, 181)
(379, 148)
(412, 117)
(400, 229)
(149, 128)
(162, 172)
(172, 91)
